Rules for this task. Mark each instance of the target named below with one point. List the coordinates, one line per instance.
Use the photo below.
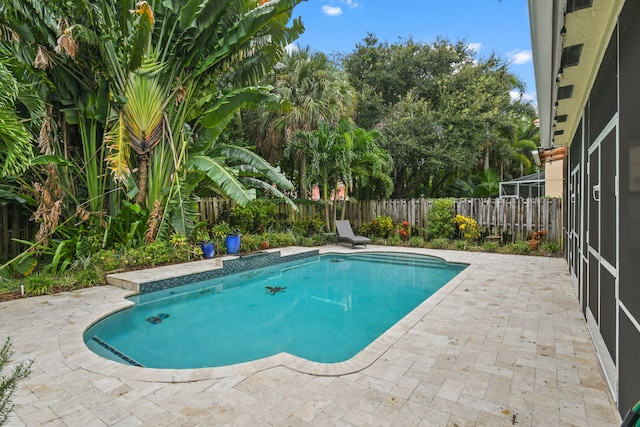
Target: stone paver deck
(502, 344)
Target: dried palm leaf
(153, 223)
(117, 139)
(43, 59)
(44, 139)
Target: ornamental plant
(467, 227)
(440, 218)
(404, 230)
(382, 226)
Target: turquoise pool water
(327, 309)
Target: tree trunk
(142, 179)
(327, 201)
(334, 208)
(302, 176)
(344, 204)
(487, 163)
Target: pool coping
(74, 349)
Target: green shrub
(319, 239)
(156, 253)
(38, 284)
(381, 226)
(255, 217)
(108, 260)
(90, 276)
(250, 242)
(8, 285)
(304, 241)
(308, 226)
(394, 241)
(518, 248)
(365, 230)
(378, 241)
(550, 248)
(439, 243)
(461, 244)
(490, 246)
(279, 240)
(440, 219)
(416, 242)
(219, 232)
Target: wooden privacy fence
(15, 223)
(512, 219)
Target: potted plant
(201, 237)
(219, 232)
(233, 242)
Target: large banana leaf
(223, 177)
(245, 29)
(267, 188)
(223, 110)
(261, 165)
(142, 35)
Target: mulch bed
(11, 296)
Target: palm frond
(117, 140)
(143, 113)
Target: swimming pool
(324, 309)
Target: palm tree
(156, 81)
(343, 154)
(330, 154)
(315, 91)
(372, 167)
(161, 81)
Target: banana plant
(159, 79)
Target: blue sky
(486, 25)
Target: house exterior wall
(603, 209)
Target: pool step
(412, 260)
(116, 352)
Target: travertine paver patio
(503, 344)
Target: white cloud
(475, 47)
(332, 10)
(519, 57)
(291, 48)
(335, 7)
(516, 95)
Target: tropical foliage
(316, 91)
(160, 80)
(446, 113)
(114, 115)
(344, 155)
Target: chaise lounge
(344, 234)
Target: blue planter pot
(233, 244)
(207, 250)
